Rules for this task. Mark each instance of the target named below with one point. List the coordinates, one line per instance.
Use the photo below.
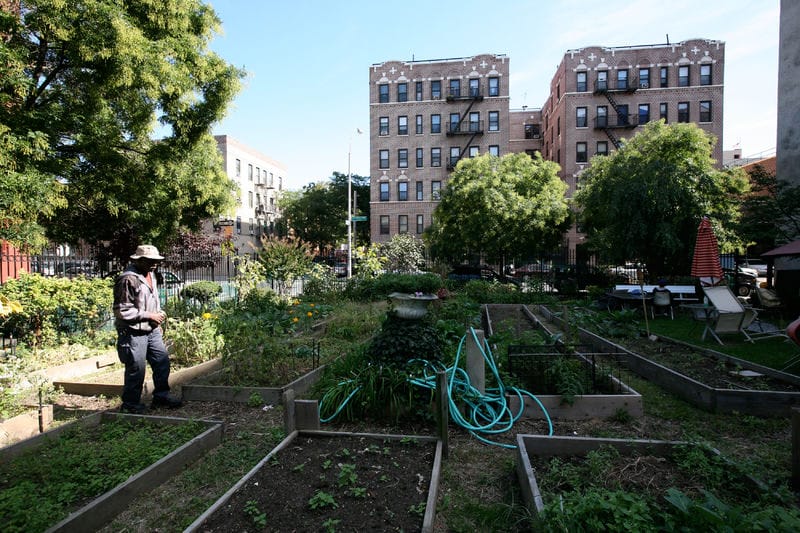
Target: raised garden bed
(573, 475)
(706, 378)
(110, 380)
(326, 481)
(616, 398)
(25, 425)
(78, 476)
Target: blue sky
(308, 61)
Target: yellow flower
(295, 319)
(206, 315)
(309, 314)
(296, 302)
(312, 305)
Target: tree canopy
(500, 207)
(83, 87)
(645, 201)
(771, 213)
(318, 213)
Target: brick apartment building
(425, 115)
(260, 183)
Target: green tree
(645, 201)
(317, 214)
(285, 260)
(83, 85)
(771, 213)
(499, 206)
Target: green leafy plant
(330, 525)
(418, 509)
(251, 509)
(203, 292)
(193, 341)
(347, 475)
(322, 499)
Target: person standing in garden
(138, 319)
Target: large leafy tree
(83, 86)
(500, 207)
(771, 213)
(317, 214)
(645, 201)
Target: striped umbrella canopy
(705, 263)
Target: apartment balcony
(465, 94)
(616, 122)
(629, 85)
(265, 185)
(465, 128)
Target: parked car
(470, 272)
(727, 261)
(759, 266)
(629, 272)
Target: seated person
(662, 297)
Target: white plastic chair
(662, 299)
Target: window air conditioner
(644, 85)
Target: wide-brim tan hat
(147, 251)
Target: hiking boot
(134, 409)
(167, 401)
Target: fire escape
(265, 210)
(624, 120)
(465, 126)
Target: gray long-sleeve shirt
(134, 301)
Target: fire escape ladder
(612, 137)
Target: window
(384, 221)
(238, 167)
(402, 191)
(494, 150)
(238, 224)
(494, 121)
(580, 117)
(402, 125)
(383, 126)
(705, 74)
(602, 80)
(420, 224)
(622, 79)
(420, 157)
(455, 88)
(683, 76)
(419, 191)
(436, 89)
(705, 111)
(402, 92)
(532, 131)
(436, 190)
(436, 123)
(383, 93)
(258, 175)
(580, 153)
(418, 91)
(383, 159)
(419, 125)
(644, 78)
(602, 148)
(474, 87)
(454, 119)
(250, 172)
(384, 192)
(664, 76)
(402, 158)
(580, 82)
(474, 121)
(622, 115)
(455, 155)
(474, 151)
(602, 116)
(494, 86)
(436, 157)
(402, 223)
(644, 113)
(249, 198)
(683, 111)
(662, 111)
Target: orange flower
(309, 314)
(295, 319)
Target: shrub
(53, 307)
(202, 292)
(193, 341)
(386, 284)
(401, 340)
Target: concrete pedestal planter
(411, 306)
(761, 401)
(109, 383)
(316, 480)
(105, 506)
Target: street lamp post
(350, 210)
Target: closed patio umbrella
(705, 263)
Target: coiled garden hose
(487, 413)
